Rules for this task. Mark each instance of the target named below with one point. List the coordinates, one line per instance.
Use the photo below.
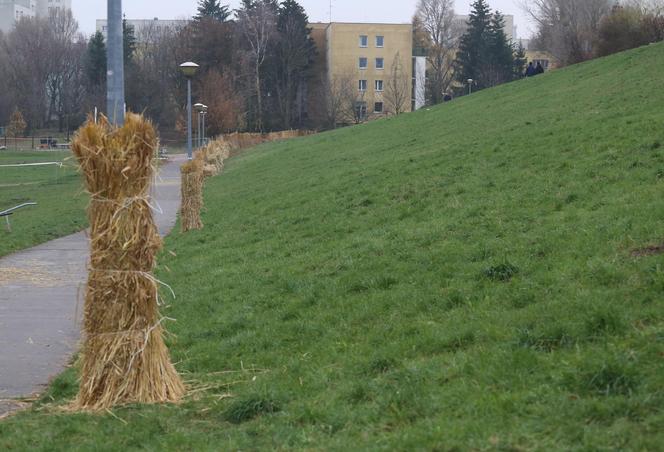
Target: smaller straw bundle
(238, 141)
(214, 155)
(124, 358)
(192, 194)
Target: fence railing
(33, 143)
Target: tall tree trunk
(259, 100)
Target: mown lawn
(57, 191)
(464, 277)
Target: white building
(11, 11)
(45, 7)
(143, 28)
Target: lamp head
(189, 69)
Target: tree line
(577, 30)
(255, 63)
(458, 51)
(572, 31)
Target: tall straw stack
(192, 194)
(124, 358)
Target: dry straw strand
(124, 357)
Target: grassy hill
(470, 276)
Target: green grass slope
(57, 192)
(458, 278)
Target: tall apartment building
(365, 53)
(45, 7)
(11, 11)
(362, 56)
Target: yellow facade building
(371, 62)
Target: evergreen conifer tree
(129, 42)
(520, 61)
(473, 47)
(295, 50)
(499, 65)
(213, 9)
(485, 54)
(95, 60)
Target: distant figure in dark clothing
(531, 71)
(539, 69)
(447, 97)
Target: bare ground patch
(651, 250)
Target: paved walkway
(41, 301)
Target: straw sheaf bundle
(192, 194)
(214, 155)
(238, 141)
(124, 358)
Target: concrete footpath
(42, 291)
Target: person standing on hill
(531, 71)
(539, 69)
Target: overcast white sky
(87, 11)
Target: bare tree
(397, 88)
(436, 22)
(28, 49)
(567, 28)
(66, 52)
(5, 94)
(655, 7)
(258, 25)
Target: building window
(363, 63)
(362, 86)
(378, 107)
(364, 41)
(379, 85)
(380, 41)
(380, 63)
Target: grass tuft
(249, 408)
(501, 272)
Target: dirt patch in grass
(651, 250)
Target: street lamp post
(205, 112)
(199, 108)
(189, 70)
(115, 93)
(470, 86)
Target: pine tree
(485, 55)
(499, 66)
(129, 42)
(95, 60)
(213, 9)
(294, 54)
(520, 61)
(473, 48)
